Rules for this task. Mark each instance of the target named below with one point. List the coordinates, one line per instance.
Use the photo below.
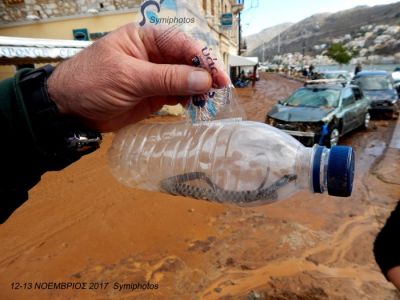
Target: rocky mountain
(371, 31)
(265, 35)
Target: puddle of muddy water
(369, 154)
(375, 148)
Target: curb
(388, 167)
(395, 141)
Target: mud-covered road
(315, 247)
(80, 225)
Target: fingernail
(199, 82)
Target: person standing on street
(358, 68)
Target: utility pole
(263, 53)
(279, 43)
(239, 34)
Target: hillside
(369, 30)
(265, 35)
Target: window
(374, 82)
(357, 93)
(310, 97)
(348, 97)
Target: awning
(241, 61)
(16, 50)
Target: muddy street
(81, 225)
(318, 247)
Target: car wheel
(367, 118)
(333, 137)
(395, 114)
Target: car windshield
(370, 83)
(317, 97)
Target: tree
(339, 53)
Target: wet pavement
(322, 246)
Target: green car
(321, 112)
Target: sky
(260, 14)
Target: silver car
(321, 112)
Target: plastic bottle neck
(319, 169)
(312, 164)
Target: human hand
(129, 74)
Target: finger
(170, 45)
(167, 44)
(169, 80)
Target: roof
(334, 72)
(325, 83)
(16, 50)
(241, 61)
(331, 84)
(336, 86)
(371, 73)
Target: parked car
(378, 86)
(396, 74)
(396, 86)
(321, 112)
(337, 74)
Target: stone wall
(216, 7)
(45, 9)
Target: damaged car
(321, 112)
(379, 88)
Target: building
(92, 19)
(228, 38)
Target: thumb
(170, 80)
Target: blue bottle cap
(340, 173)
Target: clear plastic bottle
(241, 162)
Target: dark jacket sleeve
(387, 246)
(21, 163)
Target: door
(361, 105)
(350, 119)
